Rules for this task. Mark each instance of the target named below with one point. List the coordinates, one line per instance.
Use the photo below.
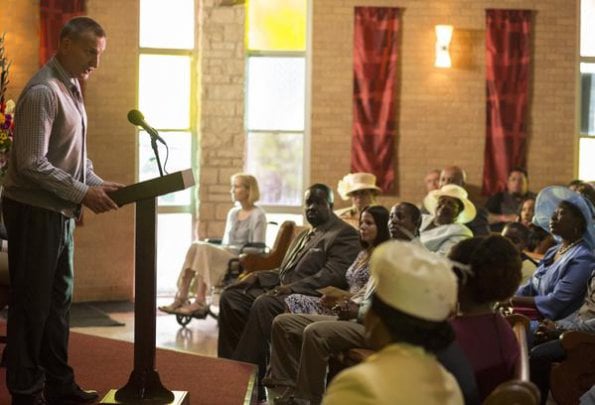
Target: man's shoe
(35, 399)
(75, 397)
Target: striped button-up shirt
(48, 165)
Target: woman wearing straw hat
(449, 209)
(558, 286)
(361, 188)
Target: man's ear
(65, 44)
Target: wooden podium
(144, 385)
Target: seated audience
(574, 184)
(503, 206)
(539, 240)
(302, 344)
(518, 234)
(362, 190)
(526, 211)
(584, 188)
(373, 230)
(543, 355)
(587, 191)
(558, 286)
(432, 182)
(449, 209)
(407, 322)
(206, 263)
(489, 270)
(318, 257)
(455, 175)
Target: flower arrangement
(6, 111)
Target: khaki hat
(356, 181)
(414, 280)
(454, 191)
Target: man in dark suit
(317, 258)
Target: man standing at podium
(48, 180)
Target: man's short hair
(328, 192)
(74, 28)
(520, 170)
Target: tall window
(165, 92)
(587, 92)
(276, 103)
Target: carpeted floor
(86, 314)
(91, 314)
(104, 364)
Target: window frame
(579, 96)
(192, 130)
(306, 54)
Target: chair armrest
(514, 392)
(254, 248)
(531, 313)
(574, 339)
(251, 262)
(358, 354)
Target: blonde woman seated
(449, 209)
(361, 188)
(206, 263)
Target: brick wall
(104, 256)
(221, 111)
(441, 112)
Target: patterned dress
(357, 277)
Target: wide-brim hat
(452, 190)
(414, 280)
(355, 182)
(550, 198)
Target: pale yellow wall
(104, 256)
(221, 111)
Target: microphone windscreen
(135, 117)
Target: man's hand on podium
(97, 199)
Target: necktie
(295, 253)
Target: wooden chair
(253, 262)
(575, 375)
(520, 390)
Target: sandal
(195, 307)
(171, 308)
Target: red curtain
(53, 15)
(508, 57)
(374, 93)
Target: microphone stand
(155, 150)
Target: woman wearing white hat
(361, 188)
(449, 209)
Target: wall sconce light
(443, 37)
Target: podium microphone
(137, 118)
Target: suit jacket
(322, 262)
